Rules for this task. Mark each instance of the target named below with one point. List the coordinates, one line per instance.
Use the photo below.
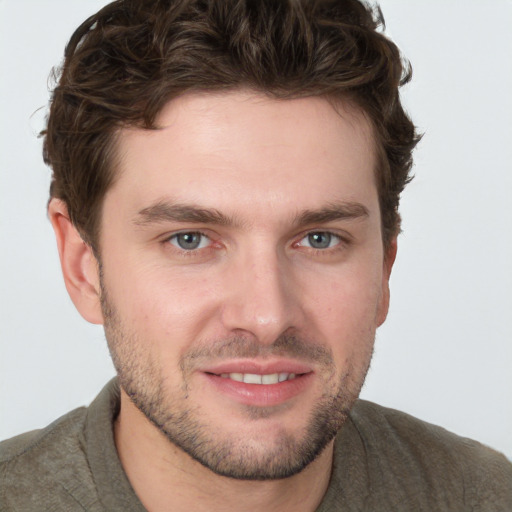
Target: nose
(261, 301)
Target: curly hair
(124, 63)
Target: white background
(445, 353)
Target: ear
(389, 260)
(79, 265)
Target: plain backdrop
(445, 353)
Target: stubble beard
(181, 422)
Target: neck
(166, 478)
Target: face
(243, 276)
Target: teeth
(254, 378)
(270, 379)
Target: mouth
(252, 384)
(262, 379)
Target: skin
(256, 292)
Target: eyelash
(189, 252)
(329, 234)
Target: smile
(254, 378)
(259, 387)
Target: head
(225, 196)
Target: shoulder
(44, 464)
(31, 445)
(395, 428)
(429, 459)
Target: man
(225, 199)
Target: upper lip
(258, 367)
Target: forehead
(244, 151)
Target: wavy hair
(124, 63)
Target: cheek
(166, 307)
(344, 310)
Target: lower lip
(261, 395)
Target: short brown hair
(123, 64)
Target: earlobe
(79, 265)
(389, 260)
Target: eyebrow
(165, 211)
(341, 210)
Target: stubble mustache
(291, 346)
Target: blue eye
(320, 240)
(190, 240)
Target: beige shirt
(384, 460)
